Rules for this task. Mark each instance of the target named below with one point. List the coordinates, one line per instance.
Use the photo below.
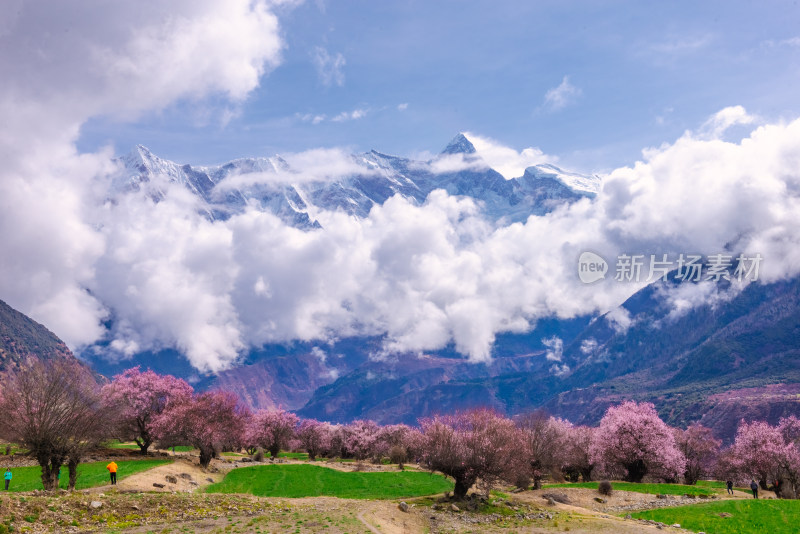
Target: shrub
(605, 488)
(259, 455)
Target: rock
(193, 483)
(246, 460)
(517, 490)
(454, 508)
(436, 506)
(628, 516)
(563, 498)
(171, 479)
(403, 507)
(550, 501)
(725, 514)
(209, 479)
(600, 500)
(676, 525)
(157, 485)
(135, 507)
(661, 496)
(95, 504)
(185, 476)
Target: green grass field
(89, 475)
(746, 516)
(301, 480)
(655, 489)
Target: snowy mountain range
(271, 184)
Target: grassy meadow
(299, 480)
(740, 516)
(89, 474)
(654, 489)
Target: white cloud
(350, 115)
(402, 107)
(314, 165)
(118, 59)
(561, 96)
(790, 42)
(679, 45)
(426, 275)
(421, 275)
(555, 348)
(330, 68)
(724, 119)
(505, 160)
(588, 346)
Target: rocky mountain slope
(22, 339)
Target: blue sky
(404, 77)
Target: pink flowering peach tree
(272, 430)
(632, 441)
(209, 421)
(700, 449)
(136, 398)
(468, 446)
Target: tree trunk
(461, 487)
(143, 444)
(586, 474)
(205, 456)
(537, 482)
(72, 465)
(274, 451)
(49, 469)
(636, 471)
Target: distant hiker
(112, 468)
(8, 477)
(754, 487)
(729, 485)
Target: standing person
(112, 469)
(754, 487)
(8, 477)
(729, 485)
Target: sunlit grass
(740, 516)
(303, 480)
(655, 489)
(89, 474)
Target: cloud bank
(422, 276)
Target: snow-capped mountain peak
(266, 184)
(459, 145)
(581, 183)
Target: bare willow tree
(53, 409)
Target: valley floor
(181, 505)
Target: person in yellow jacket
(112, 468)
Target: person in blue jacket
(7, 477)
